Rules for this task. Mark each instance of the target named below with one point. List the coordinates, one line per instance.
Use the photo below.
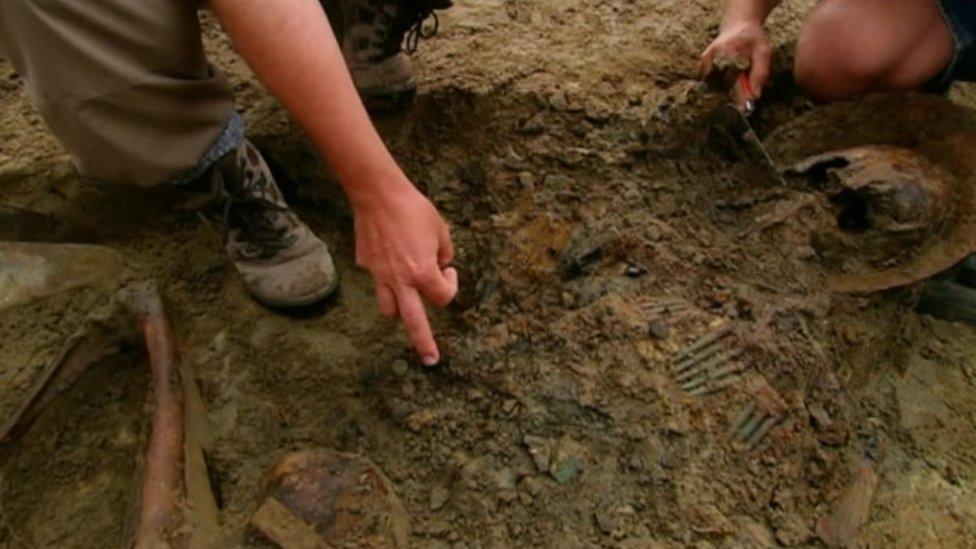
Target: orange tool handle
(746, 86)
(748, 95)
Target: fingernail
(430, 360)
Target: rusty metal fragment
(896, 217)
(708, 365)
(342, 498)
(760, 416)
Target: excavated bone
(174, 505)
(30, 271)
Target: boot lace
(254, 219)
(411, 23)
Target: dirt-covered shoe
(373, 34)
(282, 262)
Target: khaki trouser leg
(123, 84)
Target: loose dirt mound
(639, 357)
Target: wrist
(370, 189)
(736, 23)
(746, 13)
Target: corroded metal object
(889, 194)
(895, 217)
(761, 415)
(708, 365)
(323, 498)
(930, 127)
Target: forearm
(747, 11)
(290, 46)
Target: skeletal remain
(903, 197)
(706, 365)
(760, 416)
(103, 335)
(662, 306)
(782, 212)
(895, 216)
(174, 505)
(30, 271)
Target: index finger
(762, 58)
(705, 62)
(415, 322)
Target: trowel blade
(30, 271)
(753, 137)
(738, 132)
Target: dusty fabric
(123, 84)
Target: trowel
(30, 271)
(748, 101)
(731, 120)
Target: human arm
(741, 35)
(400, 238)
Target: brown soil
(568, 145)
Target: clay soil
(601, 229)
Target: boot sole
(301, 301)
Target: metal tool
(747, 95)
(747, 108)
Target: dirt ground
(600, 231)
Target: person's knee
(834, 59)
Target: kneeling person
(128, 91)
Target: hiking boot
(373, 34)
(282, 262)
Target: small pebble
(635, 271)
(438, 497)
(659, 329)
(400, 367)
(509, 406)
